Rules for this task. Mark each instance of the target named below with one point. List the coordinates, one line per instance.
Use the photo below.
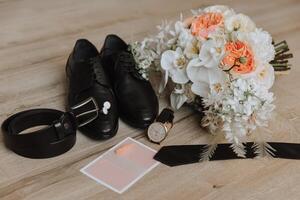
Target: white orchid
(192, 49)
(174, 64)
(204, 71)
(203, 78)
(211, 52)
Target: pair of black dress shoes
(112, 80)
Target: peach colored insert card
(122, 166)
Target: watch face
(157, 132)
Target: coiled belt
(56, 138)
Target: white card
(122, 165)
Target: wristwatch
(159, 130)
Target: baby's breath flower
(239, 107)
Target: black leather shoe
(137, 101)
(87, 78)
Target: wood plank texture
(35, 40)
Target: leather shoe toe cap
(100, 130)
(140, 119)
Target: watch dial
(156, 132)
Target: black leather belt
(56, 138)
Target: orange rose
(206, 23)
(239, 58)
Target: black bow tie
(187, 154)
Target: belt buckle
(65, 125)
(81, 114)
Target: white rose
(239, 22)
(226, 11)
(265, 75)
(174, 63)
(261, 45)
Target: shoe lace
(97, 69)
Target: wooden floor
(37, 36)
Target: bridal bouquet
(223, 65)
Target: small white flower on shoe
(106, 107)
